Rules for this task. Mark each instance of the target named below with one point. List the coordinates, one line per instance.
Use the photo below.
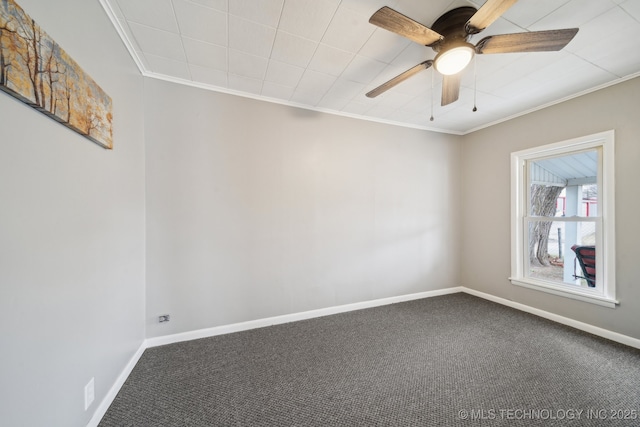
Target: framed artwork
(38, 72)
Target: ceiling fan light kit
(454, 59)
(449, 38)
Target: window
(562, 219)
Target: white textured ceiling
(325, 55)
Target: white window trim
(605, 295)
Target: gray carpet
(454, 360)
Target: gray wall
(71, 235)
(257, 209)
(486, 192)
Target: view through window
(563, 218)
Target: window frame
(604, 293)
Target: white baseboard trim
(293, 317)
(115, 388)
(604, 333)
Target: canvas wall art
(36, 70)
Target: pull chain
(431, 118)
(475, 82)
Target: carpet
(453, 360)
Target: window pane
(556, 249)
(564, 185)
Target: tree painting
(37, 71)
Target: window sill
(565, 292)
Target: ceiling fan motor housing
(452, 26)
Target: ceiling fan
(448, 37)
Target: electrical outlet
(164, 318)
(89, 394)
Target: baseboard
(293, 317)
(115, 388)
(604, 333)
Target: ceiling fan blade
(396, 22)
(487, 14)
(535, 41)
(399, 78)
(450, 88)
